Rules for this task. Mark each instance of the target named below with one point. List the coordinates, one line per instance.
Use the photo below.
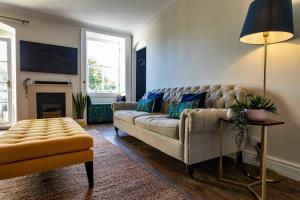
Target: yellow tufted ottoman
(33, 146)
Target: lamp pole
(265, 35)
(263, 131)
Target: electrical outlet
(254, 140)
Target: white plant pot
(256, 114)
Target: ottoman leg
(117, 131)
(90, 173)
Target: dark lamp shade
(274, 17)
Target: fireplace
(50, 105)
(50, 100)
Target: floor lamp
(268, 22)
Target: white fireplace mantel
(33, 89)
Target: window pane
(104, 53)
(95, 78)
(110, 79)
(3, 112)
(3, 92)
(3, 51)
(105, 57)
(103, 79)
(3, 71)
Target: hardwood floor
(206, 185)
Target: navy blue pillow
(195, 97)
(158, 98)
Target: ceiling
(126, 15)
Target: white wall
(52, 30)
(197, 42)
(44, 32)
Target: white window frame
(127, 90)
(104, 93)
(9, 81)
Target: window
(5, 82)
(105, 63)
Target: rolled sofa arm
(123, 106)
(203, 120)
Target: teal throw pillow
(146, 105)
(176, 109)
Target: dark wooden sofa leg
(190, 170)
(117, 131)
(90, 173)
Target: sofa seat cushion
(160, 124)
(129, 115)
(30, 139)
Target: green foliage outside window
(109, 85)
(95, 76)
(96, 82)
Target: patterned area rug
(116, 176)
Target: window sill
(104, 95)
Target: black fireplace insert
(50, 105)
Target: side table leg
(263, 163)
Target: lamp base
(254, 173)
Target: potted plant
(253, 109)
(80, 101)
(26, 83)
(258, 108)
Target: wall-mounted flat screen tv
(37, 57)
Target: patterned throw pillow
(195, 97)
(146, 105)
(176, 108)
(158, 97)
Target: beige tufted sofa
(194, 137)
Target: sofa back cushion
(218, 96)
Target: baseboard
(283, 167)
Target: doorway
(5, 81)
(141, 64)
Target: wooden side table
(263, 168)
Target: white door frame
(9, 81)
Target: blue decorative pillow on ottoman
(176, 109)
(146, 105)
(195, 97)
(158, 97)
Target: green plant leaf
(240, 118)
(79, 101)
